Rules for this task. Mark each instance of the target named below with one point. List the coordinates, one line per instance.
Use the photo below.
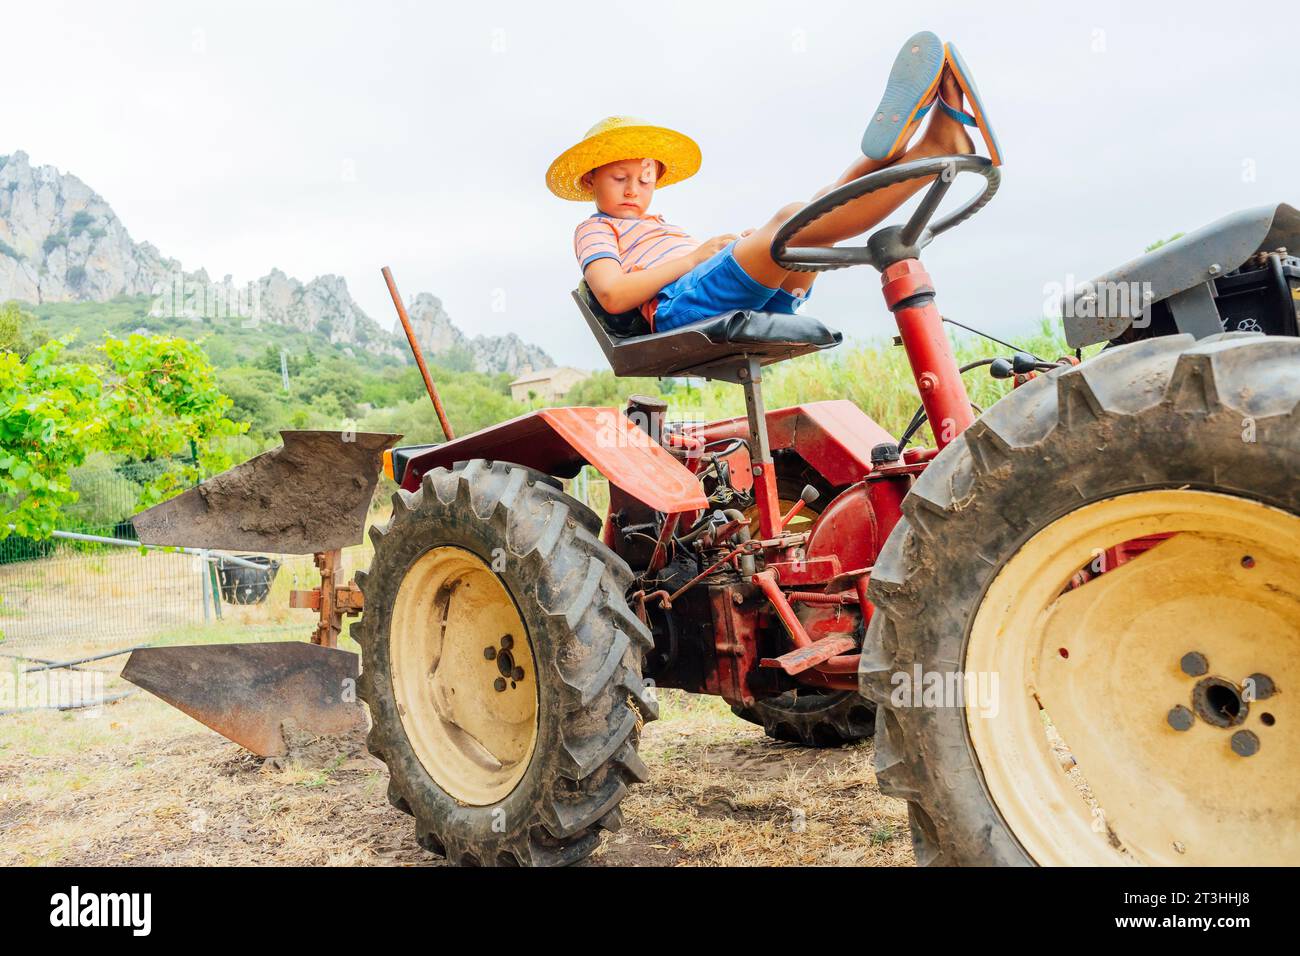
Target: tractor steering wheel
(892, 243)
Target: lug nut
(1261, 686)
(507, 642)
(1194, 664)
(499, 684)
(1245, 743)
(517, 673)
(490, 653)
(1180, 718)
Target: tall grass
(874, 375)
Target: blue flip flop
(909, 93)
(969, 90)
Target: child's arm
(618, 291)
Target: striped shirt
(635, 244)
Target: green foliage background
(331, 387)
(142, 399)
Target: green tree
(269, 361)
(337, 379)
(148, 398)
(602, 388)
(18, 330)
(458, 358)
(256, 397)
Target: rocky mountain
(61, 242)
(324, 306)
(438, 335)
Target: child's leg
(943, 137)
(786, 301)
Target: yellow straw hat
(622, 137)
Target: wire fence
(92, 586)
(71, 593)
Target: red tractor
(1070, 626)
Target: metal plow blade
(309, 495)
(247, 691)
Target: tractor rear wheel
(502, 667)
(1085, 621)
(807, 715)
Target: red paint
(846, 529)
(921, 327)
(805, 571)
(766, 499)
(559, 441)
(804, 658)
(735, 641)
(887, 496)
(766, 582)
(835, 437)
(790, 515)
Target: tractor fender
(834, 437)
(559, 441)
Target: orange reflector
(388, 464)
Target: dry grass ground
(140, 783)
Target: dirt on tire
(1165, 413)
(592, 701)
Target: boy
(632, 259)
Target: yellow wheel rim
(464, 676)
(1092, 674)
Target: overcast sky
(339, 137)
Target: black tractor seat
(713, 348)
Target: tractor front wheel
(1088, 620)
(502, 667)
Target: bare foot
(945, 136)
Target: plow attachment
(309, 495)
(246, 692)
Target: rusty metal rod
(668, 601)
(419, 356)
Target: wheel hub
(461, 658)
(511, 673)
(1151, 677)
(1219, 703)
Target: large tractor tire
(808, 716)
(502, 667)
(1141, 712)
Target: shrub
(80, 221)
